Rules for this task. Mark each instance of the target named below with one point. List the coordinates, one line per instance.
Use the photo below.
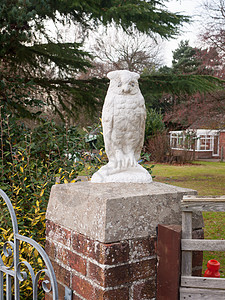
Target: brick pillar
(94, 270)
(222, 144)
(101, 237)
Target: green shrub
(154, 123)
(30, 163)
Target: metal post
(16, 262)
(8, 287)
(1, 285)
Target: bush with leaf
(154, 123)
(30, 163)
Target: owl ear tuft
(112, 74)
(136, 75)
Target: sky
(190, 31)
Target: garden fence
(193, 287)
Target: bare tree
(115, 50)
(213, 17)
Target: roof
(215, 122)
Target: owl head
(123, 82)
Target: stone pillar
(101, 237)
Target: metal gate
(14, 272)
(192, 287)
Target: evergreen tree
(174, 91)
(182, 109)
(185, 60)
(38, 69)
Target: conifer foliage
(185, 60)
(38, 69)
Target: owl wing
(140, 139)
(107, 125)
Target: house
(208, 142)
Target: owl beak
(126, 89)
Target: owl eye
(132, 83)
(119, 84)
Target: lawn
(208, 178)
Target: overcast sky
(190, 31)
(186, 7)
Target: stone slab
(110, 212)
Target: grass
(208, 178)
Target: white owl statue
(123, 121)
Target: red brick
(83, 287)
(82, 244)
(118, 275)
(117, 294)
(89, 292)
(62, 254)
(71, 259)
(111, 254)
(61, 274)
(75, 297)
(96, 273)
(58, 233)
(77, 263)
(144, 290)
(143, 269)
(48, 297)
(142, 247)
(61, 292)
(109, 277)
(50, 249)
(49, 227)
(103, 253)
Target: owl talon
(124, 163)
(119, 161)
(131, 161)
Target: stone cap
(110, 212)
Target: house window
(174, 140)
(180, 140)
(177, 140)
(205, 142)
(198, 140)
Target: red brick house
(203, 139)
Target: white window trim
(199, 133)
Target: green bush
(30, 163)
(154, 123)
